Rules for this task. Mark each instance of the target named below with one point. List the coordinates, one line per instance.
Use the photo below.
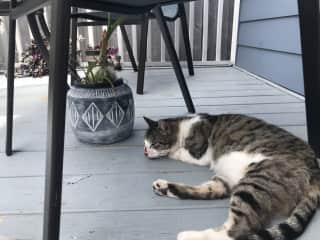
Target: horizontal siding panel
(281, 34)
(281, 68)
(262, 9)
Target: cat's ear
(151, 123)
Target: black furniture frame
(61, 10)
(310, 43)
(58, 64)
(4, 8)
(99, 18)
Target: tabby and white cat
(264, 169)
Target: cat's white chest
(183, 155)
(232, 166)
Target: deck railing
(213, 27)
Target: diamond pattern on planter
(115, 114)
(92, 117)
(129, 113)
(74, 115)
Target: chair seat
(130, 6)
(103, 17)
(139, 3)
(170, 13)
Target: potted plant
(32, 63)
(91, 53)
(100, 105)
(112, 53)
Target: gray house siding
(269, 41)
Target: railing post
(235, 27)
(219, 29)
(134, 41)
(191, 25)
(205, 30)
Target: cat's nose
(145, 151)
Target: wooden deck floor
(107, 189)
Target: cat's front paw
(160, 187)
(189, 235)
(209, 234)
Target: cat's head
(160, 137)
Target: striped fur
(216, 188)
(265, 170)
(291, 228)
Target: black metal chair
(100, 19)
(4, 11)
(59, 42)
(171, 13)
(4, 8)
(58, 65)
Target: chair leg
(10, 86)
(73, 55)
(186, 40)
(59, 42)
(174, 58)
(142, 54)
(43, 24)
(37, 35)
(128, 46)
(309, 25)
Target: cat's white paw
(160, 187)
(209, 234)
(190, 235)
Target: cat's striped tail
(295, 225)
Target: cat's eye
(156, 145)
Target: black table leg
(10, 84)
(128, 46)
(310, 38)
(73, 62)
(59, 42)
(174, 58)
(186, 39)
(142, 53)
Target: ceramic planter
(100, 114)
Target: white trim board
(196, 64)
(283, 89)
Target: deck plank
(122, 191)
(102, 161)
(137, 225)
(107, 188)
(22, 142)
(280, 119)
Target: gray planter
(100, 114)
